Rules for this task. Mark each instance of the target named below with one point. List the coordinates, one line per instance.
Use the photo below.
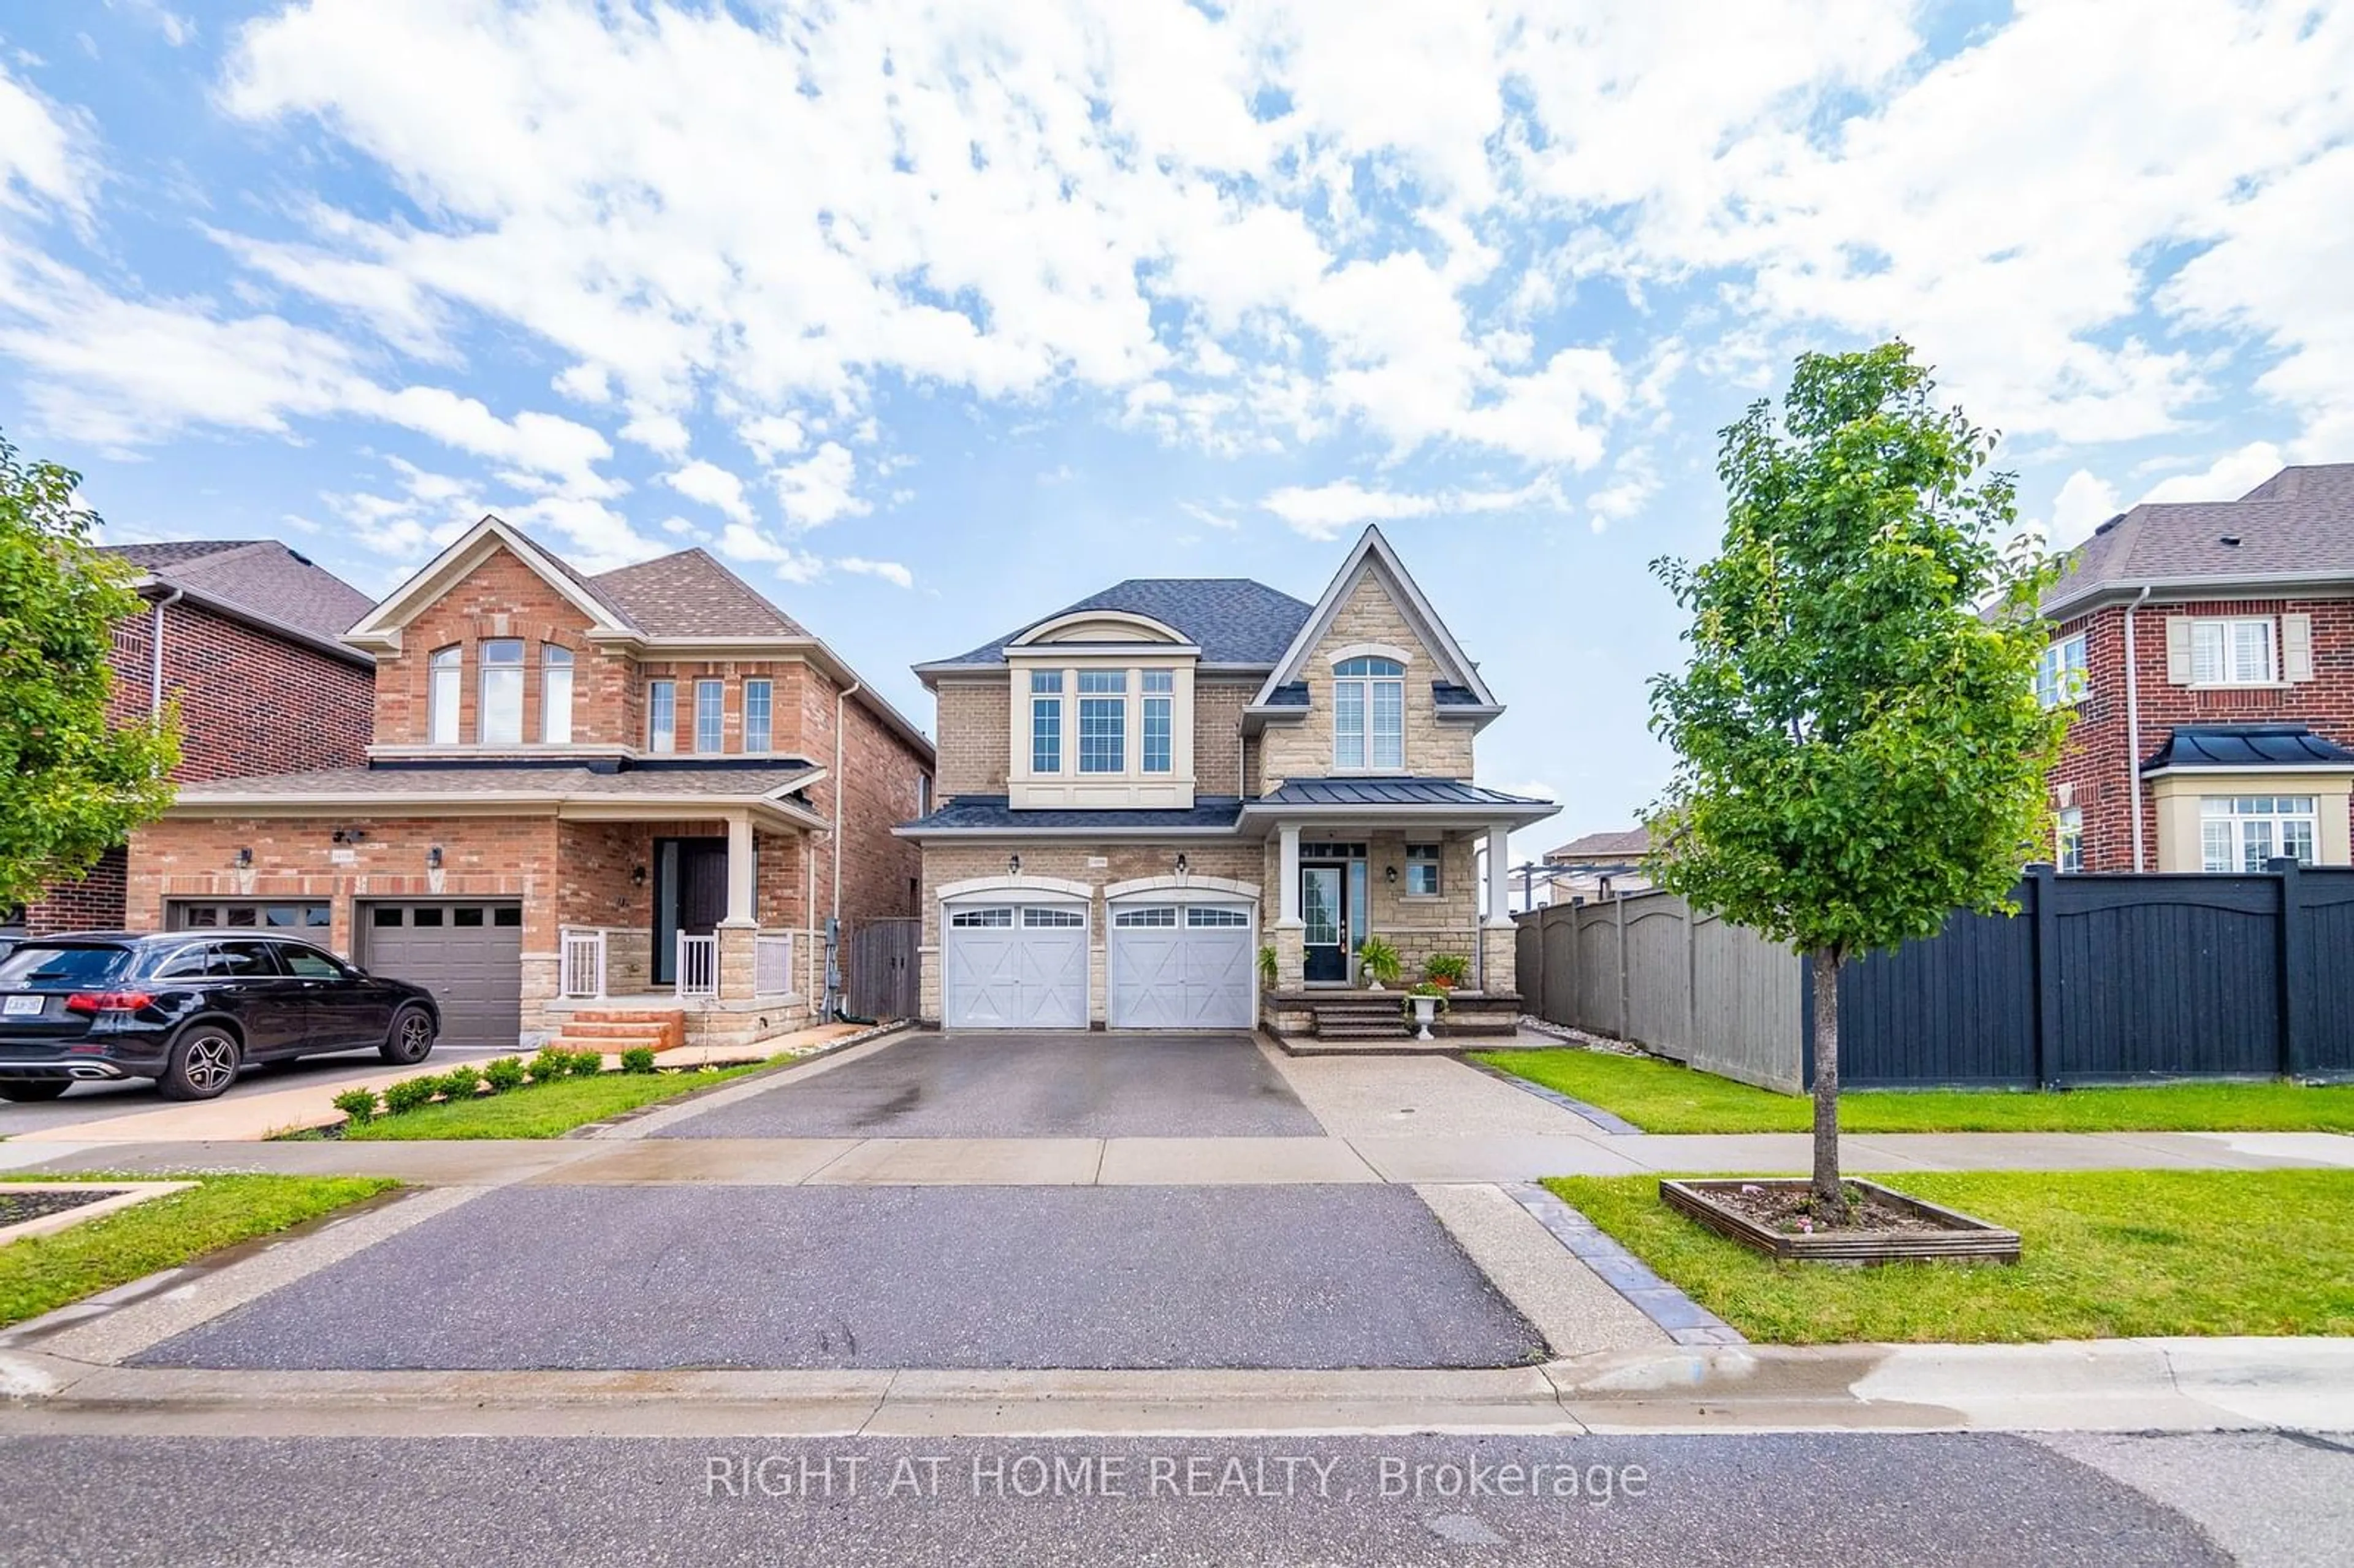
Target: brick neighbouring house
(603, 806)
(1140, 788)
(244, 635)
(2228, 736)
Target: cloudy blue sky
(930, 317)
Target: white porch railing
(772, 963)
(698, 965)
(582, 973)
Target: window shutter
(2296, 647)
(2178, 650)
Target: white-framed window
(1369, 715)
(661, 716)
(446, 672)
(1034, 919)
(2234, 653)
(2069, 835)
(555, 695)
(1160, 916)
(1160, 703)
(710, 716)
(2240, 832)
(1421, 870)
(1046, 721)
(1103, 721)
(499, 721)
(993, 920)
(760, 716)
(923, 794)
(2064, 675)
(1197, 916)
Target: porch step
(614, 1033)
(1372, 1018)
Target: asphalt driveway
(1028, 1086)
(951, 1278)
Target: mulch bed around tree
(15, 1208)
(1796, 1210)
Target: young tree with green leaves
(1859, 751)
(75, 784)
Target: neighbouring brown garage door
(467, 952)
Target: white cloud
(714, 487)
(45, 151)
(889, 571)
(176, 29)
(738, 542)
(1218, 518)
(664, 434)
(771, 436)
(2085, 501)
(817, 490)
(2228, 478)
(1321, 512)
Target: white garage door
(1180, 967)
(1015, 967)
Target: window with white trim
(441, 695)
(2064, 674)
(1046, 721)
(710, 716)
(499, 721)
(993, 920)
(1103, 721)
(2069, 836)
(760, 716)
(1197, 916)
(2240, 832)
(555, 695)
(1421, 870)
(1161, 916)
(1159, 702)
(661, 716)
(2235, 653)
(1035, 918)
(1369, 715)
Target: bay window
(1159, 699)
(2240, 832)
(1103, 721)
(1046, 721)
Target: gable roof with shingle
(259, 582)
(2297, 525)
(689, 593)
(1233, 620)
(1635, 841)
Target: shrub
(638, 1059)
(459, 1083)
(552, 1063)
(1379, 960)
(505, 1073)
(359, 1105)
(587, 1063)
(1266, 968)
(408, 1094)
(1446, 968)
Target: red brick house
(244, 635)
(624, 805)
(2207, 648)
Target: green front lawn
(2108, 1254)
(1660, 1096)
(42, 1273)
(544, 1110)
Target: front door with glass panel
(1326, 917)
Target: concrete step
(658, 1027)
(626, 1015)
(1364, 1032)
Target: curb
(1610, 1122)
(1684, 1320)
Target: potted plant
(1425, 1000)
(1379, 962)
(1447, 971)
(1266, 968)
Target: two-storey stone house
(612, 808)
(1142, 790)
(2208, 649)
(243, 636)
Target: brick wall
(975, 747)
(1218, 728)
(1304, 749)
(2097, 766)
(503, 598)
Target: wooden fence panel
(1747, 1003)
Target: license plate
(22, 1006)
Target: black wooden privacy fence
(2100, 979)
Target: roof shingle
(690, 594)
(2298, 522)
(1233, 620)
(260, 578)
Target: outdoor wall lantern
(1390, 876)
(350, 835)
(245, 856)
(1181, 863)
(433, 858)
(1013, 864)
(637, 876)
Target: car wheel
(32, 1091)
(411, 1039)
(203, 1064)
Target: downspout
(835, 1001)
(2133, 721)
(156, 653)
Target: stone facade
(1302, 748)
(2096, 772)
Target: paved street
(1029, 1085)
(1309, 1277)
(1849, 1499)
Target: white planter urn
(1425, 1009)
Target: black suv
(189, 1009)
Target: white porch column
(739, 870)
(1289, 892)
(1499, 887)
